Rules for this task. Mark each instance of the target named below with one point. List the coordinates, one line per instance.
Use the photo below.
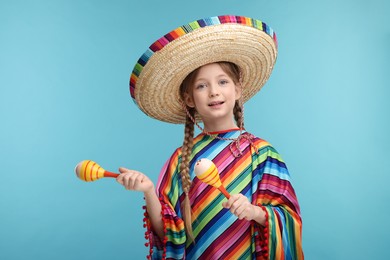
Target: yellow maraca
(207, 172)
(91, 171)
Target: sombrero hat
(159, 72)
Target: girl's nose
(214, 91)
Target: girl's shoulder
(264, 146)
(176, 154)
(258, 141)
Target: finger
(236, 201)
(233, 198)
(246, 213)
(119, 179)
(131, 180)
(241, 205)
(250, 212)
(126, 179)
(227, 205)
(123, 170)
(241, 211)
(238, 210)
(136, 180)
(122, 178)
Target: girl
(219, 63)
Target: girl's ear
(189, 100)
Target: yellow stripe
(82, 172)
(88, 170)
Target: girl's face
(214, 94)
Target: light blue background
(64, 71)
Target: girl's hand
(240, 206)
(134, 180)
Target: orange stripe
(248, 21)
(180, 31)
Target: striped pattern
(262, 177)
(89, 171)
(185, 29)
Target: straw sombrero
(156, 78)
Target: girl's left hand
(240, 206)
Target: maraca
(90, 171)
(207, 172)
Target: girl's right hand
(135, 180)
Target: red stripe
(85, 170)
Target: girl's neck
(218, 126)
(222, 131)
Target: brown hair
(186, 87)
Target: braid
(239, 114)
(185, 171)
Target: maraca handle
(224, 191)
(110, 174)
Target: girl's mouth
(216, 103)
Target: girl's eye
(223, 82)
(200, 86)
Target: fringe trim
(164, 255)
(264, 244)
(148, 232)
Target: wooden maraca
(207, 172)
(91, 171)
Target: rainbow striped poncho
(260, 175)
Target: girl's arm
(137, 181)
